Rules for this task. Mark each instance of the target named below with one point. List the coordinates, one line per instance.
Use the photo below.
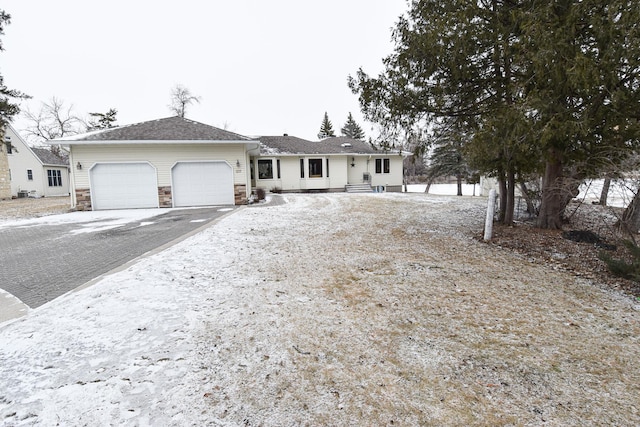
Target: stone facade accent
(164, 197)
(240, 194)
(83, 199)
(5, 175)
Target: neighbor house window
(29, 174)
(315, 168)
(9, 147)
(55, 178)
(382, 166)
(301, 168)
(265, 169)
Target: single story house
(290, 164)
(176, 162)
(170, 162)
(35, 171)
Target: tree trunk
(511, 196)
(605, 191)
(531, 209)
(553, 197)
(630, 221)
(459, 182)
(502, 190)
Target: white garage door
(123, 186)
(202, 184)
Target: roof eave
(145, 142)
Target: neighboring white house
(171, 162)
(35, 171)
(290, 164)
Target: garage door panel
(123, 186)
(202, 184)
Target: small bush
(260, 193)
(623, 268)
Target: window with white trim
(265, 169)
(55, 177)
(382, 165)
(315, 168)
(29, 174)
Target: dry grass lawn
(370, 310)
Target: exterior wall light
(79, 166)
(237, 163)
(353, 162)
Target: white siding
(161, 156)
(341, 172)
(23, 159)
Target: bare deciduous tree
(181, 97)
(53, 120)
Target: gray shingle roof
(169, 129)
(48, 158)
(270, 145)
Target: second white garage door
(202, 184)
(123, 186)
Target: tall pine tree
(326, 128)
(351, 129)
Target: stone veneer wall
(164, 196)
(240, 194)
(5, 175)
(83, 199)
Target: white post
(491, 208)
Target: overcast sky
(261, 67)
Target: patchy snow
(445, 189)
(339, 309)
(90, 219)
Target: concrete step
(358, 188)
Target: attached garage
(123, 186)
(203, 183)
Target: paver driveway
(42, 262)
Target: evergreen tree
(326, 128)
(542, 87)
(447, 155)
(351, 129)
(8, 107)
(103, 120)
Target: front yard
(379, 309)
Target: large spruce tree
(326, 128)
(551, 87)
(352, 129)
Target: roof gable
(48, 158)
(168, 129)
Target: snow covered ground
(337, 309)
